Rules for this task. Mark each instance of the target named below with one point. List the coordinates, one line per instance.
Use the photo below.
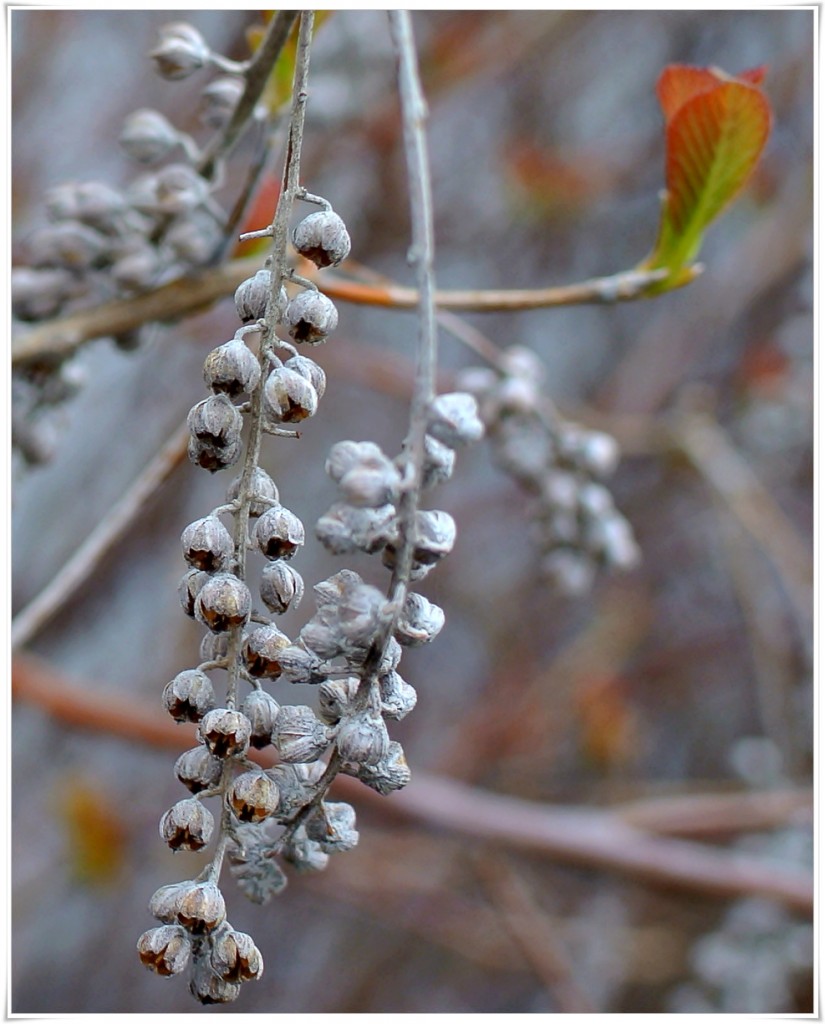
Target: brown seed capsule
(299, 737)
(232, 368)
(207, 544)
(223, 603)
(310, 370)
(187, 825)
(310, 317)
(453, 419)
(226, 732)
(215, 421)
(201, 908)
(198, 770)
(252, 296)
(235, 957)
(262, 711)
(189, 696)
(189, 588)
(208, 988)
(322, 237)
(289, 397)
(262, 489)
(253, 796)
(166, 900)
(363, 738)
(148, 137)
(279, 533)
(261, 649)
(219, 99)
(332, 826)
(180, 51)
(164, 950)
(281, 587)
(213, 457)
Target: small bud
(262, 489)
(189, 696)
(261, 649)
(215, 421)
(252, 296)
(179, 188)
(398, 698)
(201, 907)
(148, 137)
(214, 457)
(322, 237)
(164, 950)
(262, 710)
(253, 796)
(219, 99)
(330, 591)
(288, 396)
(310, 317)
(223, 603)
(332, 826)
(232, 368)
(198, 770)
(187, 825)
(309, 369)
(235, 957)
(207, 544)
(363, 738)
(453, 419)
(279, 533)
(389, 775)
(226, 732)
(420, 622)
(299, 737)
(345, 529)
(336, 698)
(180, 51)
(281, 587)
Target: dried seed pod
(201, 907)
(279, 533)
(214, 457)
(189, 588)
(189, 696)
(331, 590)
(363, 738)
(293, 792)
(261, 649)
(164, 950)
(595, 500)
(359, 614)
(207, 544)
(261, 709)
(68, 244)
(219, 99)
(336, 698)
(520, 361)
(310, 370)
(226, 733)
(193, 237)
(178, 189)
(281, 587)
(181, 50)
(223, 603)
(434, 538)
(599, 454)
(299, 665)
(137, 270)
(479, 381)
(38, 294)
(235, 957)
(252, 296)
(366, 486)
(345, 529)
(299, 737)
(453, 419)
(398, 698)
(323, 640)
(288, 396)
(389, 775)
(214, 646)
(304, 854)
(322, 237)
(332, 827)
(93, 202)
(310, 317)
(561, 490)
(438, 465)
(571, 571)
(347, 455)
(187, 825)
(232, 368)
(253, 796)
(148, 137)
(207, 987)
(262, 490)
(420, 621)
(198, 770)
(612, 538)
(165, 901)
(391, 657)
(215, 421)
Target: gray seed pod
(165, 901)
(164, 950)
(299, 736)
(612, 537)
(235, 957)
(207, 987)
(595, 500)
(392, 656)
(323, 640)
(252, 296)
(477, 380)
(68, 244)
(198, 770)
(207, 544)
(517, 396)
(224, 603)
(232, 368)
(322, 237)
(561, 490)
(187, 826)
(214, 457)
(226, 732)
(148, 137)
(92, 202)
(363, 738)
(38, 294)
(336, 698)
(137, 270)
(345, 529)
(219, 99)
(309, 369)
(331, 590)
(347, 455)
(599, 454)
(291, 788)
(366, 486)
(310, 317)
(214, 646)
(263, 492)
(359, 614)
(438, 465)
(453, 419)
(179, 188)
(279, 533)
(189, 696)
(189, 588)
(571, 571)
(398, 698)
(332, 826)
(253, 797)
(215, 421)
(299, 665)
(281, 587)
(181, 50)
(520, 361)
(261, 651)
(434, 538)
(201, 907)
(288, 396)
(262, 710)
(304, 854)
(192, 237)
(420, 622)
(389, 775)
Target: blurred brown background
(690, 675)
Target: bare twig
(88, 556)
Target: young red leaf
(679, 83)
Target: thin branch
(31, 619)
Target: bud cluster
(561, 464)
